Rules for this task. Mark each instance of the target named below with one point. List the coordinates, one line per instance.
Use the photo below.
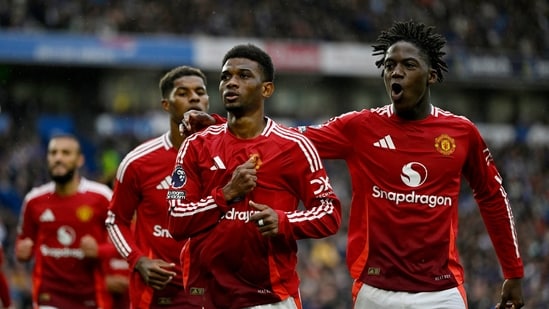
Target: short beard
(62, 179)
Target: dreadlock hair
(424, 37)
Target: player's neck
(418, 112)
(69, 188)
(247, 126)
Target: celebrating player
(236, 191)
(406, 162)
(142, 181)
(55, 217)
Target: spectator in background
(236, 191)
(55, 217)
(140, 188)
(492, 26)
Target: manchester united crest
(84, 213)
(445, 144)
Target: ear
(433, 77)
(81, 160)
(268, 89)
(165, 104)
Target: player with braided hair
(406, 162)
(423, 36)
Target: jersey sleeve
(191, 212)
(26, 228)
(121, 213)
(106, 250)
(489, 193)
(322, 214)
(334, 138)
(219, 119)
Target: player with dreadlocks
(406, 161)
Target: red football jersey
(142, 182)
(247, 268)
(406, 178)
(56, 224)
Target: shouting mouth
(396, 91)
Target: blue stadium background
(92, 67)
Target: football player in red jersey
(406, 162)
(138, 215)
(236, 190)
(55, 217)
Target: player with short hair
(54, 218)
(236, 192)
(142, 181)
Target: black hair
(424, 37)
(63, 134)
(254, 53)
(167, 81)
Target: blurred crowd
(512, 27)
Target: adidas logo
(386, 142)
(165, 184)
(218, 164)
(47, 216)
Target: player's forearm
(122, 239)
(106, 250)
(187, 219)
(318, 221)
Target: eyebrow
(187, 88)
